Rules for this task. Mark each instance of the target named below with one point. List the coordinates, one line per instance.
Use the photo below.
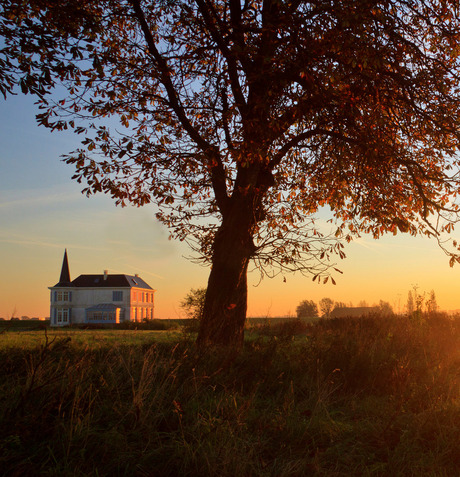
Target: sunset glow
(42, 212)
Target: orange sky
(373, 270)
(42, 212)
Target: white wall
(83, 298)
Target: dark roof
(64, 279)
(353, 311)
(103, 307)
(112, 281)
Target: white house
(104, 298)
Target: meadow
(376, 396)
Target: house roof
(103, 307)
(353, 311)
(98, 281)
(111, 281)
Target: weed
(373, 396)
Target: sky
(42, 213)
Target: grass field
(373, 397)
(86, 339)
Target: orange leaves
(323, 280)
(345, 108)
(448, 228)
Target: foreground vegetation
(374, 396)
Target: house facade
(100, 299)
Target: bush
(285, 329)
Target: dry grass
(375, 396)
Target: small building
(99, 299)
(353, 311)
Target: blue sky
(42, 211)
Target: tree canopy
(193, 303)
(326, 305)
(240, 119)
(306, 309)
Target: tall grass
(374, 396)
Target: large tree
(241, 118)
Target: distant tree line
(419, 304)
(327, 307)
(23, 318)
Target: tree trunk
(225, 307)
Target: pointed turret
(64, 280)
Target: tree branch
(211, 19)
(295, 141)
(212, 153)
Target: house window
(62, 315)
(117, 296)
(95, 316)
(62, 296)
(101, 316)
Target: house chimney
(136, 275)
(105, 274)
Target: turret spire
(65, 274)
